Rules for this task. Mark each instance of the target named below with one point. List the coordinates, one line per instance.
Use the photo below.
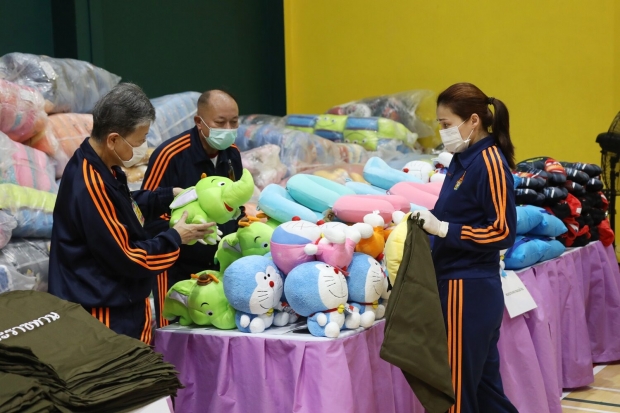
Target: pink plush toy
(336, 247)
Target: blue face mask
(219, 139)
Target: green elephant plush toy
(213, 199)
(200, 301)
(252, 238)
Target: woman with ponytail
(473, 220)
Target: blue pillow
(365, 189)
(528, 217)
(550, 226)
(524, 253)
(556, 248)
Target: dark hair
(121, 110)
(465, 99)
(203, 100)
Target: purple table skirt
(577, 322)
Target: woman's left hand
(177, 191)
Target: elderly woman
(101, 257)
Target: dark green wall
(26, 26)
(174, 46)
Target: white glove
(431, 224)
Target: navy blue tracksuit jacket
(101, 256)
(477, 200)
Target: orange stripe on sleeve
(497, 182)
(124, 235)
(107, 212)
(163, 159)
(107, 317)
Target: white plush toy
(420, 169)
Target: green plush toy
(213, 199)
(333, 123)
(252, 238)
(200, 301)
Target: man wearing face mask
(101, 256)
(180, 161)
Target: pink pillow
(353, 208)
(414, 195)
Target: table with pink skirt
(576, 324)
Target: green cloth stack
(54, 356)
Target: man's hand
(193, 232)
(431, 224)
(177, 191)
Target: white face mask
(452, 139)
(138, 153)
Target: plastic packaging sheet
(415, 109)
(26, 263)
(71, 129)
(298, 150)
(264, 164)
(261, 120)
(7, 224)
(31, 208)
(174, 114)
(21, 111)
(25, 166)
(67, 85)
(370, 133)
(340, 173)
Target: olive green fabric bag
(415, 335)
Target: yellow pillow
(394, 247)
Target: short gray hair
(122, 110)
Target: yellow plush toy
(394, 247)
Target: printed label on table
(517, 298)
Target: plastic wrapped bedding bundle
(352, 153)
(25, 166)
(22, 113)
(369, 132)
(71, 129)
(264, 164)
(415, 109)
(261, 120)
(67, 85)
(174, 114)
(7, 224)
(298, 150)
(30, 259)
(31, 208)
(11, 280)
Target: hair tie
(490, 101)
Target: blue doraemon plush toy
(253, 285)
(284, 315)
(366, 282)
(319, 291)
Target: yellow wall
(556, 64)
